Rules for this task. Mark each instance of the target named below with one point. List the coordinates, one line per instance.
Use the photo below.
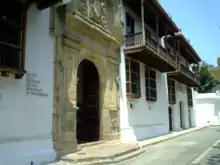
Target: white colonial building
(207, 108)
(154, 98)
(44, 53)
(26, 101)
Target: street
(182, 150)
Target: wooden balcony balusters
(134, 40)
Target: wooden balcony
(149, 52)
(185, 76)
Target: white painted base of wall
(150, 131)
(139, 133)
(23, 152)
(127, 135)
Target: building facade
(215, 72)
(207, 108)
(151, 78)
(57, 78)
(180, 83)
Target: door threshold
(89, 144)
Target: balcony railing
(136, 40)
(197, 78)
(170, 56)
(190, 74)
(149, 41)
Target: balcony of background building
(187, 62)
(150, 52)
(145, 46)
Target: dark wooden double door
(88, 115)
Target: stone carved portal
(101, 11)
(88, 114)
(87, 57)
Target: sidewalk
(108, 153)
(159, 139)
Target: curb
(102, 161)
(169, 136)
(197, 160)
(106, 161)
(128, 154)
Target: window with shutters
(150, 84)
(133, 78)
(171, 91)
(189, 97)
(12, 40)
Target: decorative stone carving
(68, 126)
(93, 13)
(83, 7)
(104, 21)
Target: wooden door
(88, 121)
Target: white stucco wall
(207, 109)
(144, 119)
(181, 97)
(26, 120)
(141, 119)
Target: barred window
(171, 91)
(12, 36)
(189, 97)
(133, 78)
(150, 84)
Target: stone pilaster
(65, 116)
(111, 123)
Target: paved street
(213, 157)
(182, 150)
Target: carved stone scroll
(83, 7)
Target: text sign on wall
(34, 86)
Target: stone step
(103, 160)
(81, 146)
(111, 154)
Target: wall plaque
(33, 86)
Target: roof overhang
(24, 4)
(180, 37)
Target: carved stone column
(110, 110)
(66, 141)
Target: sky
(199, 21)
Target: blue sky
(200, 22)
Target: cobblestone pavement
(181, 150)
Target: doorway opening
(181, 115)
(88, 115)
(170, 119)
(190, 121)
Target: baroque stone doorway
(88, 114)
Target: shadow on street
(214, 156)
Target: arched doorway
(170, 119)
(88, 115)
